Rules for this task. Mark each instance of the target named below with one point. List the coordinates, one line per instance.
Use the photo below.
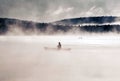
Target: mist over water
(92, 57)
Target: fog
(52, 10)
(91, 58)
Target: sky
(53, 10)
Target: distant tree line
(43, 27)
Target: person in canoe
(59, 46)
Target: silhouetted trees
(54, 28)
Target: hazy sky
(51, 10)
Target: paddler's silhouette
(59, 46)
